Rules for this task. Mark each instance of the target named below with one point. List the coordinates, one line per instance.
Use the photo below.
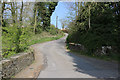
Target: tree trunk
(89, 16)
(35, 20)
(21, 11)
(13, 12)
(76, 8)
(3, 7)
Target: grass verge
(45, 39)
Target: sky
(61, 11)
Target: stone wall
(15, 64)
(74, 46)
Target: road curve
(63, 64)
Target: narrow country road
(60, 63)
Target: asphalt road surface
(60, 63)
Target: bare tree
(64, 23)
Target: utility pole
(56, 21)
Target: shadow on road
(94, 67)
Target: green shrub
(24, 38)
(53, 30)
(10, 39)
(14, 39)
(39, 29)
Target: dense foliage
(21, 21)
(96, 25)
(44, 12)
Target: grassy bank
(33, 39)
(39, 39)
(112, 57)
